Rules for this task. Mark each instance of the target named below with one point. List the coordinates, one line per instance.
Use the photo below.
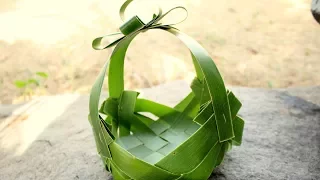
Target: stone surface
(315, 9)
(50, 138)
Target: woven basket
(185, 142)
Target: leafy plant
(28, 86)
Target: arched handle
(206, 70)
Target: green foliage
(28, 86)
(33, 81)
(20, 84)
(42, 74)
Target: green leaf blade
(42, 74)
(20, 84)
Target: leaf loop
(134, 25)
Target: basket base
(151, 148)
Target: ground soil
(256, 43)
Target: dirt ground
(256, 43)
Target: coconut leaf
(184, 142)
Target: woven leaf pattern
(185, 142)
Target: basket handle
(205, 68)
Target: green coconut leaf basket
(186, 142)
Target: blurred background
(45, 46)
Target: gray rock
(315, 9)
(52, 139)
(6, 110)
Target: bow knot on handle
(134, 25)
(131, 25)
